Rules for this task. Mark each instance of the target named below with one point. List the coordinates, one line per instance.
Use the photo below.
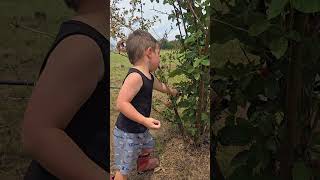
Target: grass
(118, 69)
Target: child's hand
(152, 123)
(168, 103)
(175, 92)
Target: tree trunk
(293, 100)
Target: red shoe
(146, 163)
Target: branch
(178, 117)
(165, 36)
(177, 19)
(245, 54)
(16, 25)
(161, 12)
(123, 24)
(197, 19)
(155, 33)
(159, 112)
(315, 119)
(142, 24)
(228, 24)
(206, 46)
(200, 106)
(183, 20)
(193, 12)
(179, 121)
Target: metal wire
(17, 82)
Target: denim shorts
(128, 147)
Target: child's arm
(69, 78)
(159, 86)
(128, 91)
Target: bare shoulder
(77, 53)
(134, 78)
(130, 87)
(69, 78)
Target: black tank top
(89, 128)
(142, 102)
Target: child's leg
(148, 144)
(127, 150)
(144, 162)
(119, 176)
(146, 151)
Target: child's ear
(149, 51)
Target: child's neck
(143, 67)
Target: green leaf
(205, 62)
(193, 131)
(204, 116)
(276, 8)
(190, 40)
(233, 107)
(279, 117)
(256, 152)
(306, 6)
(190, 70)
(263, 121)
(175, 73)
(271, 88)
(259, 28)
(245, 81)
(258, 158)
(229, 121)
(301, 171)
(316, 138)
(197, 76)
(252, 17)
(240, 159)
(240, 98)
(294, 35)
(235, 135)
(271, 145)
(241, 172)
(171, 16)
(197, 62)
(279, 47)
(265, 125)
(255, 87)
(310, 50)
(222, 31)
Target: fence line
(17, 82)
